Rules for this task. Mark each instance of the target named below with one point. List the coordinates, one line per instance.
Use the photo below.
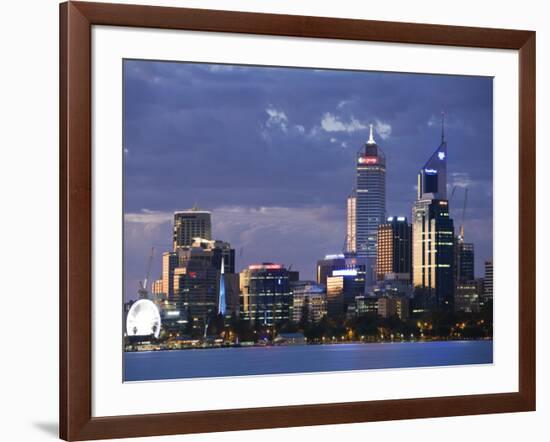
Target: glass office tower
(433, 236)
(370, 203)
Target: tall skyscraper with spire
(370, 202)
(433, 234)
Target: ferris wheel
(143, 319)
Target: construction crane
(461, 234)
(143, 293)
(452, 194)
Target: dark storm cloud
(279, 139)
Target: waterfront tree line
(369, 327)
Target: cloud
(460, 179)
(331, 123)
(450, 121)
(147, 216)
(277, 118)
(382, 129)
(256, 233)
(343, 103)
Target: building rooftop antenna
(371, 135)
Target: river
(241, 361)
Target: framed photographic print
(273, 220)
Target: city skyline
(276, 215)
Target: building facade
(351, 268)
(467, 297)
(351, 223)
(190, 224)
(266, 294)
(394, 254)
(170, 261)
(488, 282)
(335, 296)
(464, 260)
(310, 298)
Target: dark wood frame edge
(75, 405)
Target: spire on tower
(371, 136)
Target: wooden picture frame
(76, 21)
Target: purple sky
(270, 151)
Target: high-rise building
(350, 267)
(433, 236)
(232, 294)
(221, 250)
(190, 224)
(464, 261)
(351, 223)
(335, 296)
(196, 285)
(488, 282)
(394, 254)
(310, 298)
(370, 210)
(170, 261)
(267, 298)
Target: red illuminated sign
(368, 160)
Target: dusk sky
(271, 152)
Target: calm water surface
(240, 361)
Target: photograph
(283, 220)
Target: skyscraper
(433, 235)
(196, 285)
(189, 224)
(370, 210)
(351, 223)
(464, 260)
(394, 254)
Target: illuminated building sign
(265, 267)
(400, 218)
(441, 155)
(338, 256)
(345, 272)
(430, 171)
(367, 160)
(442, 203)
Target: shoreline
(159, 348)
